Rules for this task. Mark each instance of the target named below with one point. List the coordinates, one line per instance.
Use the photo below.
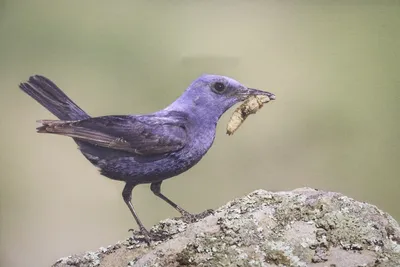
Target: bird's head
(212, 95)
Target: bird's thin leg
(127, 196)
(156, 189)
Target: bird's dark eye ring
(219, 87)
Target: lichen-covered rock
(304, 227)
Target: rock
(304, 227)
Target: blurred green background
(334, 67)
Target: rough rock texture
(304, 227)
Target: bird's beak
(251, 91)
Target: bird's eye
(219, 87)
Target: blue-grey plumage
(147, 148)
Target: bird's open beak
(251, 91)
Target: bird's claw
(148, 237)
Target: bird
(148, 148)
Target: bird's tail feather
(46, 93)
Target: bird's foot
(191, 218)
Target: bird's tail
(46, 93)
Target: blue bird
(140, 149)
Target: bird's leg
(127, 196)
(188, 217)
(156, 189)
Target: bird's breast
(199, 142)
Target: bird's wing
(142, 135)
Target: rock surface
(303, 227)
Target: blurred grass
(335, 124)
